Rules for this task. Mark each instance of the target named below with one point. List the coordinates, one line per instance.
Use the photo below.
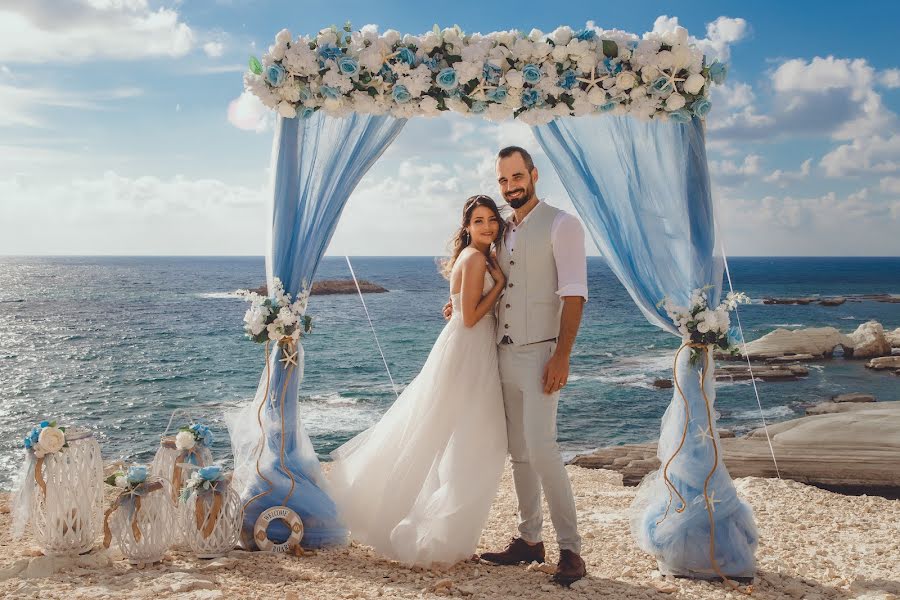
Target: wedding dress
(418, 485)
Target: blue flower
(661, 85)
(531, 73)
(28, 443)
(680, 116)
(447, 78)
(35, 434)
(211, 473)
(203, 433)
(701, 107)
(432, 63)
(401, 95)
(478, 107)
(348, 66)
(306, 112)
(498, 94)
(45, 424)
(405, 55)
(275, 75)
(530, 98)
(586, 35)
(305, 94)
(136, 474)
(607, 106)
(611, 67)
(330, 52)
(567, 80)
(718, 72)
(491, 72)
(387, 74)
(330, 92)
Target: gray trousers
(536, 460)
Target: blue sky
(115, 134)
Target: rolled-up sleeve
(567, 238)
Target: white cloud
(720, 35)
(890, 185)
(113, 214)
(728, 173)
(863, 155)
(784, 178)
(248, 113)
(22, 105)
(214, 49)
(39, 31)
(889, 78)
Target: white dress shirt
(567, 239)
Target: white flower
(283, 37)
(625, 80)
(535, 35)
(287, 110)
(514, 78)
(560, 53)
(429, 106)
(694, 83)
(184, 440)
(561, 35)
(664, 60)
(391, 36)
(326, 37)
(430, 42)
(681, 57)
(596, 96)
(541, 50)
(121, 481)
(277, 51)
(505, 37)
(674, 102)
(299, 59)
(51, 439)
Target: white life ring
(261, 530)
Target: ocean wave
(218, 295)
(773, 412)
(850, 318)
(633, 371)
(785, 325)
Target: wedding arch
(621, 119)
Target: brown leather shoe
(518, 551)
(570, 568)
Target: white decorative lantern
(167, 464)
(142, 519)
(210, 515)
(67, 503)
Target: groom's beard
(527, 195)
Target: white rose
(51, 439)
(694, 83)
(560, 53)
(596, 96)
(541, 49)
(561, 36)
(283, 37)
(391, 36)
(625, 80)
(505, 37)
(514, 78)
(682, 57)
(277, 51)
(287, 110)
(184, 440)
(674, 102)
(326, 37)
(665, 59)
(430, 42)
(121, 481)
(429, 106)
(535, 35)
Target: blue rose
(432, 63)
(661, 85)
(567, 80)
(330, 52)
(211, 473)
(45, 424)
(447, 79)
(478, 107)
(307, 112)
(607, 106)
(701, 107)
(35, 434)
(401, 95)
(586, 35)
(275, 75)
(330, 92)
(718, 72)
(305, 94)
(680, 116)
(498, 94)
(348, 66)
(530, 98)
(491, 72)
(387, 74)
(405, 55)
(531, 74)
(136, 474)
(28, 443)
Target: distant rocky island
(327, 287)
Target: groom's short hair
(510, 150)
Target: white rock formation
(817, 341)
(869, 341)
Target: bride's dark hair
(461, 238)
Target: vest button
(506, 326)
(507, 306)
(512, 262)
(510, 285)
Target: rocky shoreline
(328, 287)
(850, 445)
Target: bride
(418, 485)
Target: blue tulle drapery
(317, 163)
(643, 191)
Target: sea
(116, 344)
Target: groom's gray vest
(529, 308)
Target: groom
(543, 258)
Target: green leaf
(372, 92)
(255, 66)
(610, 48)
(52, 423)
(348, 27)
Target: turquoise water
(116, 344)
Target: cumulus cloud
(889, 78)
(890, 185)
(875, 154)
(728, 173)
(214, 49)
(47, 30)
(785, 178)
(720, 35)
(248, 113)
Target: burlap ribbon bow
(130, 497)
(206, 520)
